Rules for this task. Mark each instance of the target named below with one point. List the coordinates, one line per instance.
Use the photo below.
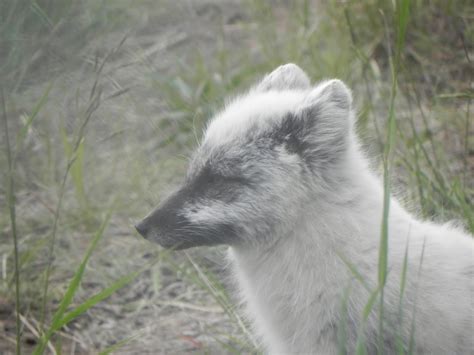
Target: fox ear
(285, 77)
(329, 104)
(319, 130)
(331, 95)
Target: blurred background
(102, 102)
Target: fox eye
(224, 178)
(238, 180)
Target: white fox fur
(293, 289)
(312, 212)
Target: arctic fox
(280, 178)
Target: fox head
(260, 161)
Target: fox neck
(326, 227)
(301, 277)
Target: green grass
(407, 62)
(12, 209)
(401, 14)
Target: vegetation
(93, 134)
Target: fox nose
(142, 228)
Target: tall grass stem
(11, 206)
(402, 14)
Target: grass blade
(52, 244)
(354, 271)
(360, 345)
(399, 343)
(99, 297)
(466, 208)
(60, 322)
(121, 343)
(77, 171)
(76, 280)
(12, 208)
(72, 289)
(39, 105)
(219, 294)
(344, 318)
(402, 15)
(41, 14)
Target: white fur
(294, 291)
(256, 112)
(293, 286)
